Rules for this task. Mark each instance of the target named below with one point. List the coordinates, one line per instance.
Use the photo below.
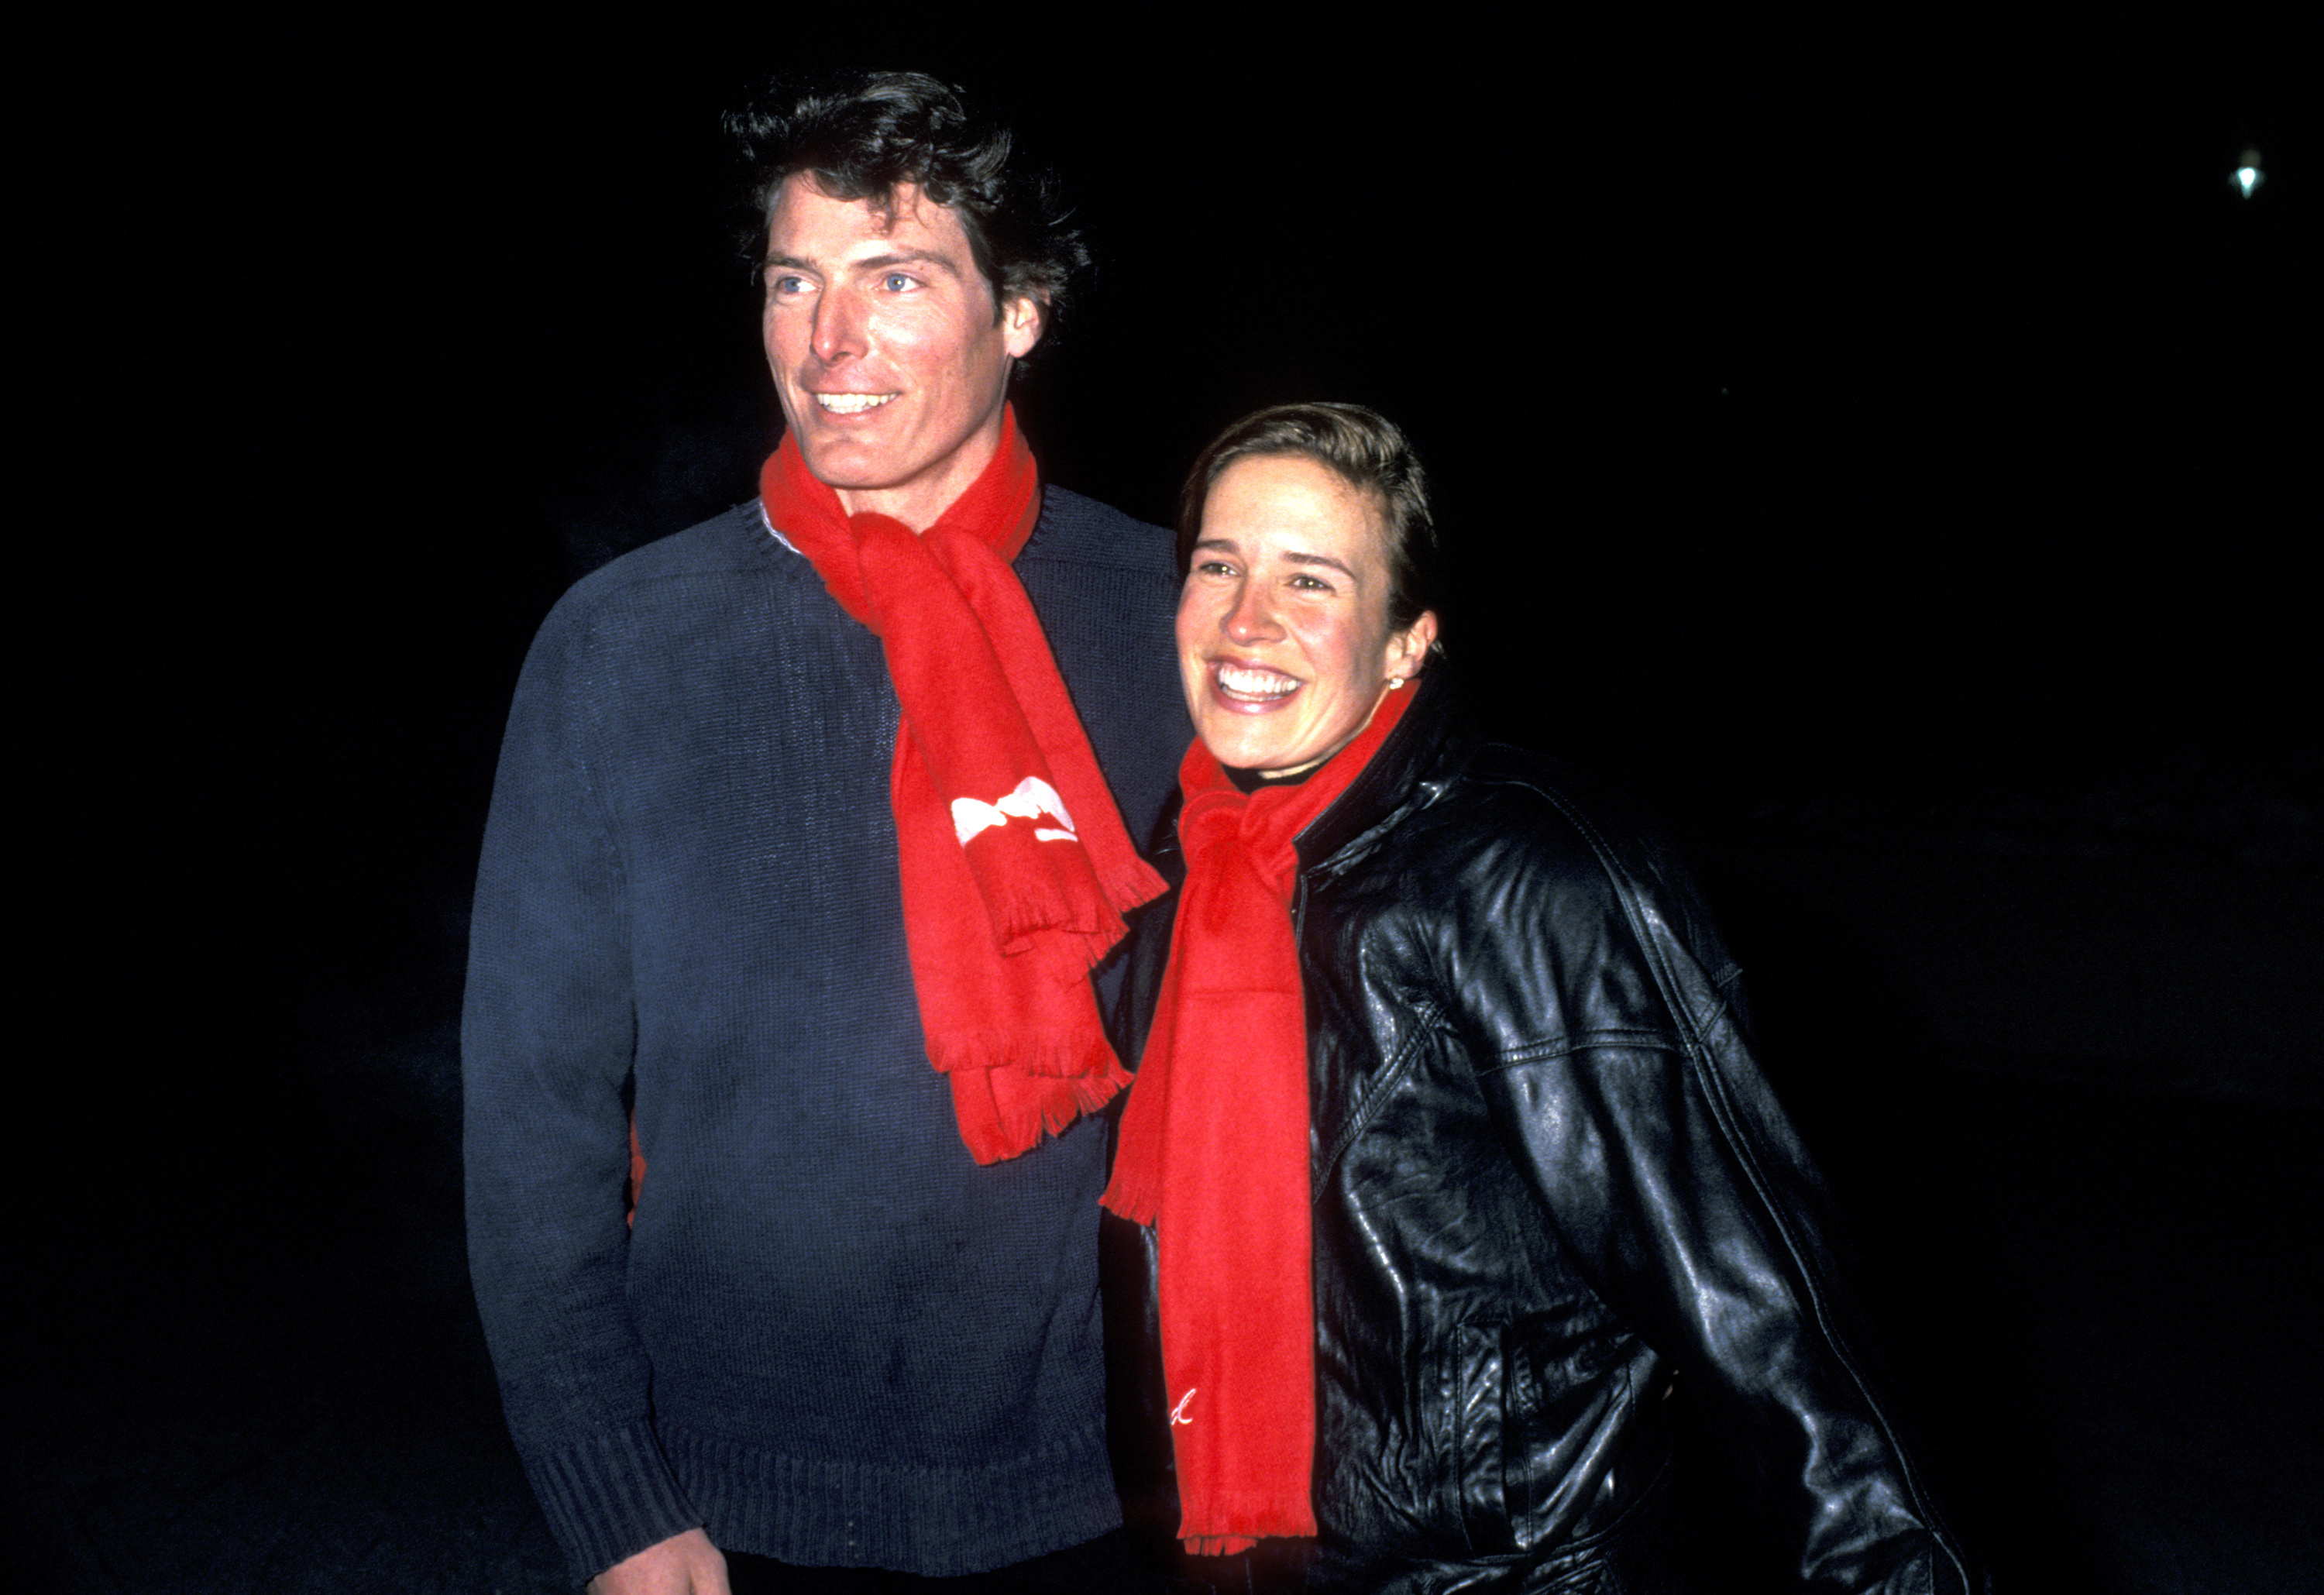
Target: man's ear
(1023, 321)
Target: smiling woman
(1284, 641)
(1461, 1188)
(1302, 533)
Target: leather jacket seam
(1542, 1052)
(1426, 1023)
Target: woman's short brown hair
(1367, 450)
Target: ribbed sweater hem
(938, 1521)
(610, 1497)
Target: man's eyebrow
(904, 257)
(873, 262)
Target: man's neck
(917, 503)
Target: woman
(1457, 1166)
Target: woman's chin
(1243, 752)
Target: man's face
(881, 334)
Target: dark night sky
(1902, 410)
(1899, 411)
(1898, 415)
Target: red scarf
(1015, 867)
(1214, 1154)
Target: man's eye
(782, 283)
(1213, 567)
(1311, 584)
(897, 282)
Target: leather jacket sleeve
(1602, 1015)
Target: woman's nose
(1251, 619)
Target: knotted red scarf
(1015, 867)
(1214, 1154)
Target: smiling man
(890, 348)
(781, 1053)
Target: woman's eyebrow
(1298, 558)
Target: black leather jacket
(1556, 1205)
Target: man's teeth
(1254, 683)
(851, 403)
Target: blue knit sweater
(830, 1337)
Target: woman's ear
(1408, 650)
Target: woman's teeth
(1247, 682)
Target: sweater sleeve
(548, 1037)
(1671, 1174)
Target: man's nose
(840, 326)
(1252, 618)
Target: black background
(1884, 439)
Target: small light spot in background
(2248, 176)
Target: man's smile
(853, 403)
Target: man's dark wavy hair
(861, 136)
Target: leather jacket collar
(1408, 773)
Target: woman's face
(1284, 645)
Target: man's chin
(849, 464)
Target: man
(793, 806)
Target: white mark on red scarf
(1032, 798)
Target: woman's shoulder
(1533, 891)
(1497, 795)
(1524, 827)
